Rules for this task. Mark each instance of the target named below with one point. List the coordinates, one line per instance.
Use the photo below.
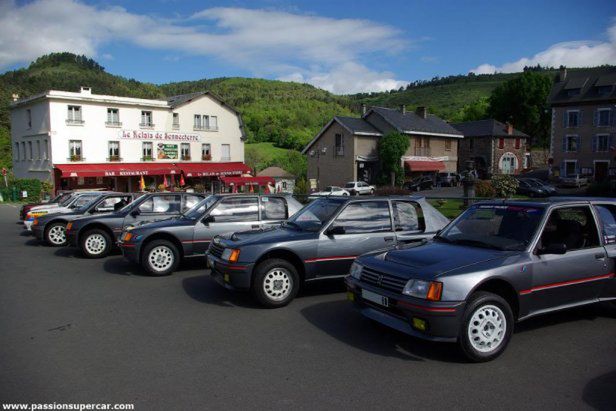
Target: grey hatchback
(319, 242)
(497, 263)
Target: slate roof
(486, 128)
(589, 82)
(410, 122)
(180, 99)
(357, 125)
(275, 172)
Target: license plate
(375, 298)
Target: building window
(570, 168)
(501, 143)
(113, 117)
(114, 151)
(213, 123)
(74, 150)
(206, 122)
(23, 151)
(572, 118)
(225, 152)
(146, 119)
(30, 153)
(38, 149)
(45, 150)
(146, 151)
(16, 153)
(601, 143)
(517, 143)
(176, 121)
(185, 149)
(197, 123)
(422, 146)
(571, 143)
(447, 145)
(339, 145)
(29, 118)
(74, 115)
(206, 152)
(603, 118)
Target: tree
(391, 147)
(523, 102)
(477, 110)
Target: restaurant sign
(157, 135)
(167, 151)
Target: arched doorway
(508, 163)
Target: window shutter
(594, 143)
(565, 118)
(595, 118)
(564, 143)
(580, 118)
(577, 168)
(562, 168)
(612, 122)
(579, 141)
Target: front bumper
(130, 251)
(28, 224)
(233, 276)
(442, 319)
(38, 232)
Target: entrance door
(601, 170)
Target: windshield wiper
(477, 243)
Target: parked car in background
(356, 188)
(55, 200)
(498, 263)
(319, 242)
(449, 179)
(96, 235)
(548, 188)
(573, 181)
(160, 246)
(330, 191)
(51, 228)
(420, 183)
(77, 199)
(530, 189)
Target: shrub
(483, 188)
(391, 147)
(301, 187)
(504, 185)
(199, 188)
(391, 191)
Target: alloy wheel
(277, 284)
(487, 328)
(161, 258)
(57, 235)
(95, 244)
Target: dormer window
(573, 92)
(604, 90)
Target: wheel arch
(285, 254)
(161, 235)
(55, 220)
(502, 288)
(93, 226)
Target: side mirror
(208, 219)
(335, 230)
(555, 248)
(135, 213)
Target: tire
(160, 257)
(492, 313)
(95, 243)
(55, 234)
(275, 283)
(372, 191)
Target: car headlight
(231, 255)
(427, 290)
(356, 270)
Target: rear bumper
(231, 276)
(442, 319)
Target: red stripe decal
(566, 283)
(196, 241)
(314, 260)
(430, 309)
(127, 245)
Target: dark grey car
(320, 241)
(96, 235)
(497, 263)
(51, 228)
(160, 246)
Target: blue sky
(343, 46)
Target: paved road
(75, 330)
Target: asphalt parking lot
(77, 330)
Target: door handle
(255, 226)
(600, 256)
(389, 238)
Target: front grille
(216, 250)
(381, 280)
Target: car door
(363, 226)
(606, 214)
(156, 207)
(230, 215)
(409, 223)
(274, 210)
(576, 276)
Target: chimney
(563, 73)
(422, 111)
(86, 90)
(403, 109)
(509, 128)
(15, 97)
(363, 109)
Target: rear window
(349, 185)
(161, 204)
(273, 208)
(607, 215)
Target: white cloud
(572, 54)
(271, 43)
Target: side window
(365, 217)
(573, 226)
(408, 216)
(83, 200)
(607, 215)
(236, 209)
(190, 202)
(112, 204)
(273, 208)
(161, 204)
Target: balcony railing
(147, 158)
(205, 128)
(206, 157)
(146, 125)
(175, 126)
(422, 151)
(114, 158)
(187, 158)
(225, 158)
(113, 123)
(76, 158)
(74, 122)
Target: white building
(81, 140)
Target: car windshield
(132, 204)
(66, 200)
(349, 185)
(534, 183)
(501, 227)
(200, 208)
(84, 207)
(315, 215)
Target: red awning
(213, 169)
(241, 181)
(418, 165)
(116, 169)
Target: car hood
(432, 259)
(167, 222)
(267, 236)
